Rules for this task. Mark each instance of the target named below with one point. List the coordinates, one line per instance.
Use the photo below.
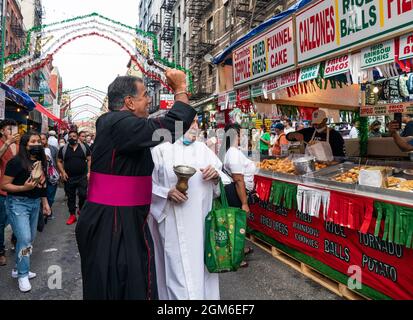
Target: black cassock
(114, 241)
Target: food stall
(350, 219)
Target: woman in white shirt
(241, 170)
(354, 132)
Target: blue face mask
(186, 141)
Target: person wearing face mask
(320, 132)
(62, 143)
(177, 220)
(52, 140)
(8, 149)
(51, 157)
(74, 166)
(241, 171)
(24, 196)
(374, 130)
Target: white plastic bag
(321, 150)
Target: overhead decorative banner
(283, 81)
(244, 93)
(378, 54)
(43, 42)
(406, 46)
(333, 26)
(257, 90)
(166, 101)
(309, 73)
(337, 66)
(222, 101)
(267, 54)
(232, 97)
(387, 109)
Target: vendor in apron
(319, 132)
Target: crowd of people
(31, 167)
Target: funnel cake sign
(268, 54)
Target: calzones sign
(329, 27)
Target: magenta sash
(119, 191)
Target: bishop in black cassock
(114, 241)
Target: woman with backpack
(25, 183)
(52, 173)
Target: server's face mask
(187, 141)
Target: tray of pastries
(285, 165)
(401, 185)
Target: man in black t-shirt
(74, 165)
(319, 133)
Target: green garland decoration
(150, 35)
(363, 133)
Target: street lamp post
(3, 39)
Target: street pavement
(55, 249)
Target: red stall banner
(384, 266)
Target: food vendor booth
(347, 223)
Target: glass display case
(398, 189)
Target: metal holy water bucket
(184, 173)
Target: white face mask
(321, 130)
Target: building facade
(15, 33)
(191, 32)
(33, 13)
(56, 88)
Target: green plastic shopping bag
(225, 229)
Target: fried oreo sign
(270, 53)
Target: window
(227, 15)
(210, 69)
(145, 20)
(178, 52)
(210, 29)
(184, 45)
(184, 9)
(179, 14)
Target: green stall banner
(284, 195)
(398, 223)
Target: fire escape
(199, 45)
(38, 13)
(252, 11)
(17, 29)
(155, 26)
(168, 29)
